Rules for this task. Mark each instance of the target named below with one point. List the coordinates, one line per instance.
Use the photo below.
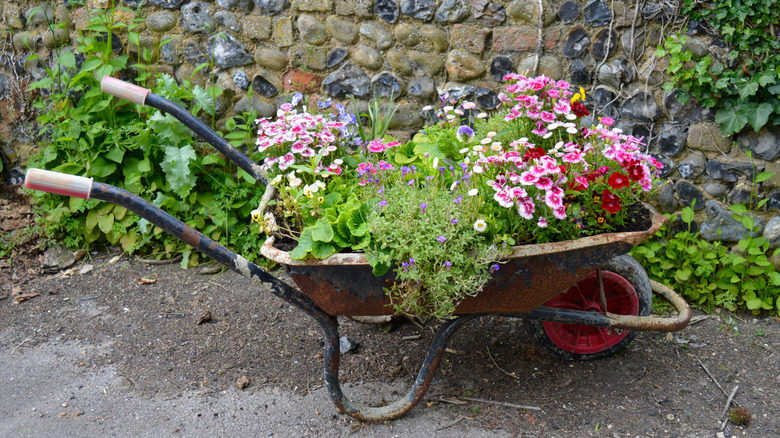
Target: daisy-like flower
(473, 192)
(469, 105)
(480, 225)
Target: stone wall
(415, 50)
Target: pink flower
(376, 146)
(542, 223)
(526, 210)
(559, 212)
(607, 121)
(572, 157)
(547, 117)
(544, 183)
(503, 197)
(286, 161)
(528, 177)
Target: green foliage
(707, 273)
(747, 94)
(86, 132)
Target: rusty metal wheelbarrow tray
(343, 284)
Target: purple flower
(494, 268)
(454, 221)
(441, 239)
(381, 203)
(423, 206)
(411, 261)
(405, 266)
(411, 181)
(405, 170)
(381, 190)
(464, 133)
(447, 265)
(458, 199)
(296, 99)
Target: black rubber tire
(628, 268)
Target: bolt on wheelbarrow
(581, 299)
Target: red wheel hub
(621, 299)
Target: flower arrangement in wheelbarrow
(443, 209)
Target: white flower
(338, 161)
(295, 182)
(256, 215)
(571, 130)
(435, 162)
(320, 184)
(276, 180)
(570, 116)
(480, 225)
(464, 150)
(548, 135)
(454, 185)
(473, 192)
(481, 115)
(485, 140)
(478, 148)
(496, 146)
(427, 108)
(477, 169)
(448, 108)
(491, 134)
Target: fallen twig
(728, 402)
(711, 376)
(454, 422)
(20, 344)
(509, 405)
(513, 375)
(411, 337)
(160, 262)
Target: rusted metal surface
(670, 324)
(343, 284)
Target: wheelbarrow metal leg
(405, 403)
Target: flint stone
(772, 232)
(341, 29)
(671, 139)
(500, 67)
(773, 201)
(336, 56)
(56, 38)
(641, 106)
(360, 8)
(603, 99)
(367, 57)
(633, 41)
(527, 11)
(604, 43)
(407, 34)
(311, 30)
(377, 33)
(168, 52)
(669, 165)
(452, 11)
(579, 73)
(740, 194)
(575, 42)
(227, 51)
(707, 137)
(660, 12)
(257, 26)
(436, 36)
(386, 10)
(241, 80)
(349, 79)
(228, 20)
(272, 6)
(271, 58)
(386, 85)
(569, 11)
(264, 87)
(246, 5)
(406, 115)
(692, 166)
(729, 171)
(430, 65)
(597, 13)
(314, 5)
(720, 225)
(688, 193)
(193, 54)
(116, 42)
(616, 72)
(549, 66)
(347, 345)
(488, 13)
(652, 70)
(161, 21)
(722, 52)
(714, 189)
(462, 66)
(468, 37)
(58, 257)
(666, 199)
(456, 91)
(310, 57)
(764, 144)
(419, 9)
(697, 45)
(399, 61)
(37, 16)
(196, 17)
(486, 98)
(167, 4)
(283, 32)
(422, 87)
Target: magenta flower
(423, 206)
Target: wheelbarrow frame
(70, 185)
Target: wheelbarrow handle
(59, 183)
(124, 90)
(143, 96)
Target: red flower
(579, 109)
(533, 153)
(574, 185)
(611, 202)
(636, 172)
(618, 180)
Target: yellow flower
(578, 96)
(256, 215)
(320, 199)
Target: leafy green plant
(746, 92)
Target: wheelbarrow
(581, 299)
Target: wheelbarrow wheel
(628, 292)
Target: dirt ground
(111, 346)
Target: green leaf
(747, 89)
(763, 176)
(760, 115)
(105, 223)
(115, 154)
(67, 59)
(91, 220)
(774, 277)
(323, 250)
(100, 167)
(203, 99)
(730, 121)
(177, 169)
(170, 131)
(305, 245)
(322, 231)
(682, 274)
(687, 215)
